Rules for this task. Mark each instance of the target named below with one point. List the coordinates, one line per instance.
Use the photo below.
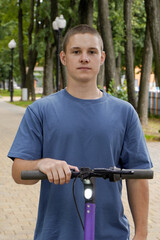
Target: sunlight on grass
(152, 131)
(22, 103)
(5, 93)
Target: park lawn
(22, 103)
(152, 131)
(5, 93)
(16, 93)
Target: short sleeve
(28, 141)
(134, 152)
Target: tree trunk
(30, 82)
(105, 26)
(129, 59)
(30, 78)
(54, 10)
(153, 15)
(32, 52)
(118, 66)
(86, 12)
(3, 84)
(32, 56)
(63, 81)
(30, 75)
(100, 77)
(48, 69)
(156, 77)
(145, 75)
(21, 50)
(51, 51)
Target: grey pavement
(19, 203)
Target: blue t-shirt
(97, 133)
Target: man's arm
(57, 171)
(138, 197)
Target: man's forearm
(138, 197)
(20, 165)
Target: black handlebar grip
(33, 175)
(74, 174)
(38, 175)
(138, 174)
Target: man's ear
(63, 57)
(103, 56)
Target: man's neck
(84, 92)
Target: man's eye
(76, 52)
(92, 52)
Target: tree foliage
(69, 8)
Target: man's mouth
(84, 68)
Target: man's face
(83, 57)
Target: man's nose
(84, 58)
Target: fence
(154, 103)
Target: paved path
(18, 203)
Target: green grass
(22, 103)
(152, 138)
(152, 131)
(17, 93)
(5, 93)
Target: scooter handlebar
(139, 174)
(114, 174)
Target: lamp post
(11, 45)
(58, 25)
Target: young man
(81, 126)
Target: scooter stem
(89, 221)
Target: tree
(145, 75)
(86, 12)
(153, 15)
(105, 27)
(21, 48)
(138, 30)
(129, 58)
(32, 48)
(48, 68)
(51, 9)
(8, 30)
(4, 73)
(117, 25)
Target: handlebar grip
(33, 175)
(139, 174)
(74, 174)
(38, 175)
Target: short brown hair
(81, 29)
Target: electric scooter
(87, 177)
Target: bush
(119, 92)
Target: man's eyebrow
(90, 48)
(75, 47)
(93, 48)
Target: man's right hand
(57, 171)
